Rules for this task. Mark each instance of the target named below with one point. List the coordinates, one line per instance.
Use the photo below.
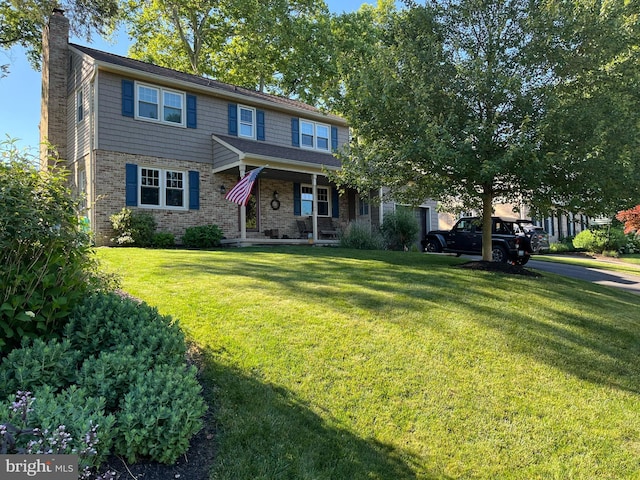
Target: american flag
(242, 191)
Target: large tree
(22, 21)
(466, 103)
(273, 45)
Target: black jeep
(509, 241)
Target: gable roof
(125, 65)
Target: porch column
(314, 208)
(381, 210)
(243, 210)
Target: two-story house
(150, 138)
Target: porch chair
(303, 229)
(326, 228)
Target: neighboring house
(157, 140)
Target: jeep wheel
(522, 260)
(499, 254)
(432, 247)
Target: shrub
(112, 373)
(36, 364)
(359, 235)
(565, 245)
(400, 229)
(163, 240)
(107, 321)
(632, 245)
(133, 228)
(131, 386)
(598, 240)
(204, 236)
(45, 255)
(159, 415)
(63, 423)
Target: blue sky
(20, 90)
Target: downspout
(314, 207)
(93, 145)
(381, 208)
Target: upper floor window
(79, 106)
(314, 135)
(246, 121)
(160, 104)
(162, 188)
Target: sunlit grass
(338, 364)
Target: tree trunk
(487, 213)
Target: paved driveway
(601, 276)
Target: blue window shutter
(334, 138)
(297, 200)
(335, 203)
(192, 112)
(233, 119)
(194, 190)
(131, 185)
(260, 125)
(128, 101)
(295, 132)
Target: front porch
(292, 188)
(266, 241)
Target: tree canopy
(22, 21)
(473, 102)
(280, 46)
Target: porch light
(223, 189)
(275, 195)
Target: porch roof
(278, 157)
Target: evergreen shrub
(203, 236)
(133, 228)
(163, 240)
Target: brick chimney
(55, 66)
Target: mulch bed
(499, 267)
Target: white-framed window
(162, 188)
(306, 198)
(363, 206)
(160, 104)
(79, 106)
(315, 135)
(82, 189)
(246, 122)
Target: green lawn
(336, 364)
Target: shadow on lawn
(265, 432)
(587, 344)
(592, 344)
